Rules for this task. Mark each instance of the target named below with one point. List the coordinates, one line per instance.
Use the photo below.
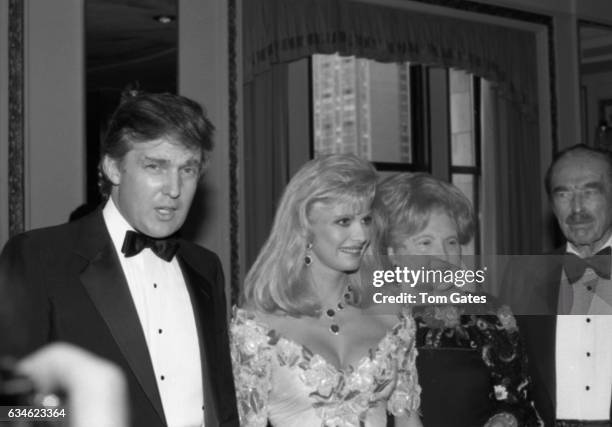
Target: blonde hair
(277, 280)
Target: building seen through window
(362, 107)
(383, 112)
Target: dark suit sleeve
(221, 301)
(24, 308)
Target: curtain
(280, 31)
(517, 166)
(276, 32)
(511, 219)
(265, 154)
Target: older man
(120, 282)
(567, 296)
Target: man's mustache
(579, 218)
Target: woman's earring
(307, 257)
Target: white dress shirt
(166, 315)
(584, 349)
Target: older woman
(305, 352)
(471, 364)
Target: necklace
(334, 328)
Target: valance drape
(280, 31)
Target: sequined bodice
(284, 382)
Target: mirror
(127, 43)
(595, 49)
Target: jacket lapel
(541, 330)
(105, 282)
(544, 333)
(199, 289)
(540, 336)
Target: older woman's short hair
(404, 203)
(277, 281)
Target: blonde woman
(305, 351)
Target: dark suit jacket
(66, 283)
(531, 287)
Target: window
(368, 104)
(465, 170)
(402, 117)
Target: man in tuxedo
(564, 299)
(122, 284)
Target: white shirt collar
(116, 224)
(572, 249)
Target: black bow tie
(135, 242)
(575, 266)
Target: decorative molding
(488, 9)
(233, 151)
(16, 118)
(592, 23)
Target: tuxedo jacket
(65, 283)
(531, 287)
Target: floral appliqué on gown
(284, 382)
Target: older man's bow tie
(575, 266)
(134, 243)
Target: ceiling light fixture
(165, 19)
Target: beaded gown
(283, 382)
(471, 363)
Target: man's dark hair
(577, 149)
(143, 117)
